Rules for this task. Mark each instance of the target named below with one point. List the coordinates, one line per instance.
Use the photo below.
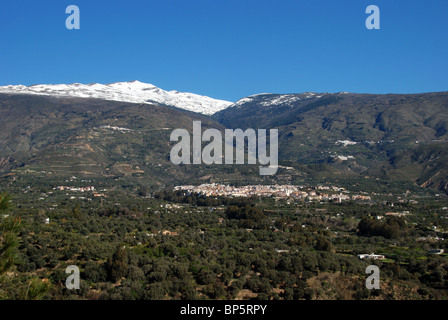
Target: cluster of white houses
(81, 189)
(75, 189)
(279, 191)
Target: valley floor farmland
(133, 243)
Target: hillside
(60, 137)
(322, 137)
(395, 136)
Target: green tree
(37, 288)
(117, 265)
(9, 228)
(322, 244)
(94, 272)
(10, 288)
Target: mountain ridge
(391, 136)
(132, 92)
(327, 136)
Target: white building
(371, 256)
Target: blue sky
(229, 49)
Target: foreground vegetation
(134, 244)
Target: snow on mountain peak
(132, 91)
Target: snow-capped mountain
(275, 100)
(261, 109)
(134, 92)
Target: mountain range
(133, 91)
(122, 131)
(388, 136)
